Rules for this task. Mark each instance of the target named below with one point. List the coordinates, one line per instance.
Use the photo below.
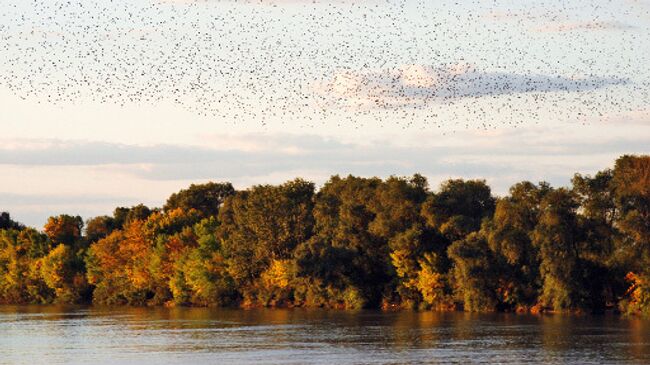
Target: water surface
(81, 335)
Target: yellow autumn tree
(274, 284)
(60, 270)
(431, 283)
(118, 267)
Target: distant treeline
(356, 242)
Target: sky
(107, 103)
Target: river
(125, 335)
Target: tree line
(354, 243)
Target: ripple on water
(60, 335)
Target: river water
(91, 335)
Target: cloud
(42, 177)
(240, 156)
(80, 153)
(420, 85)
(33, 209)
(61, 199)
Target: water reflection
(81, 335)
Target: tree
(205, 198)
(357, 242)
(263, 224)
(558, 236)
(397, 222)
(99, 227)
(122, 215)
(62, 271)
(396, 205)
(474, 273)
(343, 215)
(631, 179)
(452, 213)
(432, 282)
(20, 279)
(171, 237)
(7, 223)
(459, 208)
(421, 275)
(632, 183)
(406, 249)
(201, 276)
(509, 238)
(118, 267)
(598, 216)
(65, 229)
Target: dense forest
(355, 243)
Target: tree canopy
(356, 242)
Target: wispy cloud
(44, 176)
(419, 85)
(258, 154)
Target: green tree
(357, 242)
(7, 223)
(459, 208)
(474, 273)
(631, 178)
(343, 216)
(170, 237)
(62, 271)
(20, 279)
(99, 227)
(205, 198)
(509, 238)
(200, 276)
(398, 224)
(263, 224)
(122, 215)
(598, 215)
(559, 236)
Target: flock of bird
(304, 62)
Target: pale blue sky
(119, 102)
